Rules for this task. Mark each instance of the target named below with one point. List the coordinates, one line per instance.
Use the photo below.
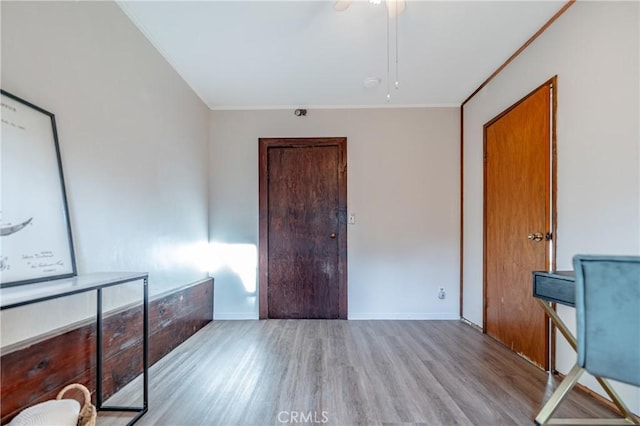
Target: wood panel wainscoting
(35, 370)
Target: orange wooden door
(517, 207)
(305, 228)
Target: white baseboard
(472, 324)
(231, 316)
(396, 316)
(359, 316)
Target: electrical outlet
(442, 294)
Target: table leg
(555, 318)
(572, 378)
(145, 345)
(99, 349)
(624, 410)
(559, 394)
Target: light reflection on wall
(242, 259)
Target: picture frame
(35, 230)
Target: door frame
(551, 200)
(264, 144)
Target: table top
(566, 275)
(20, 295)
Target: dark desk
(556, 287)
(560, 287)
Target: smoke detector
(371, 82)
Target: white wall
(134, 144)
(403, 186)
(594, 50)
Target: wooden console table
(559, 287)
(22, 295)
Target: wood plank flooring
(345, 373)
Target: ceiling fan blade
(341, 5)
(396, 7)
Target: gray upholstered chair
(608, 316)
(608, 331)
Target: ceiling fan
(394, 7)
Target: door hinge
(484, 157)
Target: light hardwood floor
(346, 373)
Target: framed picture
(35, 233)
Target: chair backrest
(608, 316)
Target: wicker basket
(88, 413)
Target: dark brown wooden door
(517, 217)
(304, 216)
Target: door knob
(332, 235)
(535, 237)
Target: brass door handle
(332, 235)
(535, 237)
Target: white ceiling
(282, 54)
